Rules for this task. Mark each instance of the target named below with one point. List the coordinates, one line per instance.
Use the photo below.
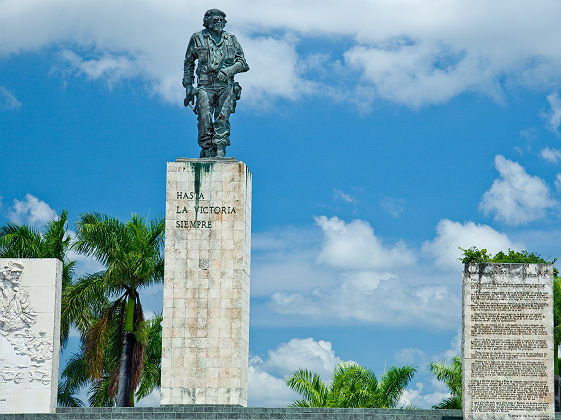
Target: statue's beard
(216, 27)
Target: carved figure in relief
(219, 58)
(17, 317)
(15, 311)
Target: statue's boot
(220, 150)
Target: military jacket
(212, 57)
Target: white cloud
(551, 155)
(450, 236)
(317, 356)
(394, 206)
(409, 52)
(558, 182)
(31, 211)
(554, 114)
(371, 297)
(516, 197)
(266, 376)
(265, 389)
(7, 100)
(353, 245)
(416, 397)
(112, 68)
(344, 273)
(340, 195)
(284, 259)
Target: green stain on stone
(198, 168)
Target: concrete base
(222, 412)
(30, 292)
(205, 337)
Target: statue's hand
(189, 95)
(222, 76)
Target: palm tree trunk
(124, 392)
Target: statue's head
(214, 20)
(12, 272)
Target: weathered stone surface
(30, 292)
(224, 412)
(205, 337)
(507, 344)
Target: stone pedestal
(205, 338)
(507, 347)
(30, 292)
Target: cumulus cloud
(416, 396)
(553, 115)
(516, 197)
(344, 273)
(112, 68)
(408, 52)
(31, 211)
(7, 100)
(451, 236)
(371, 297)
(265, 389)
(317, 356)
(266, 376)
(354, 245)
(551, 155)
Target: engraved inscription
(195, 212)
(507, 335)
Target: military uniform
(216, 99)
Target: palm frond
(310, 386)
(96, 340)
(99, 396)
(20, 242)
(452, 403)
(392, 384)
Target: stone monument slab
(30, 294)
(205, 330)
(507, 347)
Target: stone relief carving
(17, 317)
(15, 311)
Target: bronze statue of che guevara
(220, 57)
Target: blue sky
(381, 137)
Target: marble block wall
(205, 338)
(30, 293)
(507, 345)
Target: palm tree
(75, 374)
(451, 375)
(21, 241)
(115, 343)
(352, 386)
